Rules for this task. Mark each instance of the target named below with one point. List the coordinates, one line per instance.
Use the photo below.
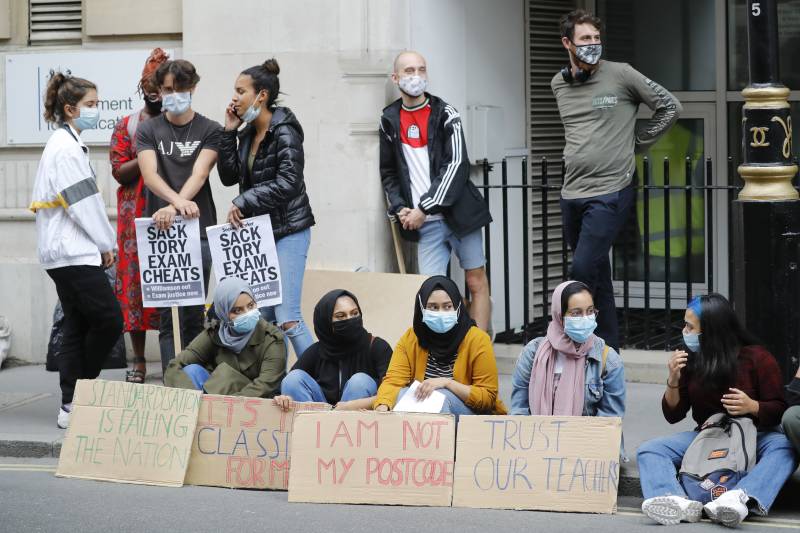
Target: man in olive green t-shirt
(598, 101)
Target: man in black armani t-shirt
(176, 152)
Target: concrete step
(641, 366)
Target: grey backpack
(720, 455)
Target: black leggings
(92, 324)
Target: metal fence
(667, 253)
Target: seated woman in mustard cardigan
(444, 351)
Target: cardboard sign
(550, 463)
(248, 253)
(243, 443)
(369, 457)
(129, 433)
(170, 263)
(373, 290)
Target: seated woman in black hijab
(346, 365)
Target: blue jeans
(197, 374)
(292, 252)
(453, 405)
(437, 241)
(659, 461)
(590, 227)
(301, 387)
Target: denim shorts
(437, 241)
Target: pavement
(33, 500)
(30, 399)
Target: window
(53, 22)
(788, 43)
(686, 218)
(669, 42)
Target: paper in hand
(410, 404)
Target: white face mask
(177, 103)
(413, 85)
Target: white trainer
(672, 510)
(63, 416)
(730, 509)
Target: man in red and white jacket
(425, 173)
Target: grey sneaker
(672, 510)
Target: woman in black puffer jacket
(265, 159)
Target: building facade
(335, 58)
(491, 59)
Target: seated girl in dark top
(346, 365)
(724, 371)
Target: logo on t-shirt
(185, 149)
(413, 132)
(605, 101)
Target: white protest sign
(249, 253)
(116, 73)
(170, 263)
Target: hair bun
(57, 78)
(271, 66)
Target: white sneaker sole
(667, 512)
(727, 516)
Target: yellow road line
(21, 467)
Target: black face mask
(153, 108)
(349, 330)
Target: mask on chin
(252, 113)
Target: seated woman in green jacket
(241, 355)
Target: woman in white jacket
(75, 239)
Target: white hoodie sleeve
(77, 188)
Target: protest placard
(373, 290)
(248, 252)
(129, 433)
(552, 463)
(369, 457)
(170, 263)
(243, 443)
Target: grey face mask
(589, 53)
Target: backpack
(719, 457)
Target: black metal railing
(668, 252)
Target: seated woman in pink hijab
(570, 371)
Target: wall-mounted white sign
(116, 74)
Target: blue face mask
(88, 118)
(252, 113)
(177, 103)
(247, 322)
(580, 328)
(440, 321)
(692, 341)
